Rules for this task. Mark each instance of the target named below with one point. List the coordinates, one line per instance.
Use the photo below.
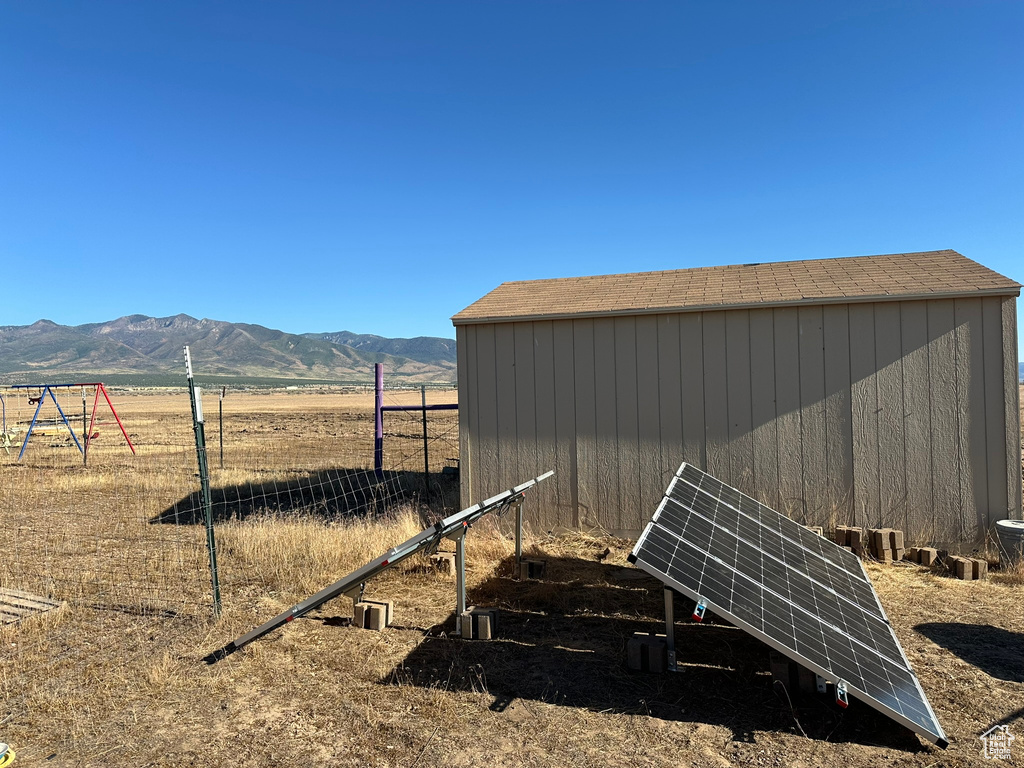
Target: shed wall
(901, 414)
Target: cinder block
(895, 539)
(373, 614)
(980, 568)
(879, 538)
(532, 568)
(964, 568)
(883, 556)
(841, 536)
(898, 554)
(443, 562)
(480, 624)
(806, 680)
(928, 556)
(793, 676)
(781, 669)
(484, 626)
(912, 555)
(647, 653)
(856, 537)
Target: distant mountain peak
(139, 344)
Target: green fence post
(195, 395)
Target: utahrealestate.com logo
(997, 741)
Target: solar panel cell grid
(797, 591)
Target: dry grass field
(116, 677)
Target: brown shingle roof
(930, 274)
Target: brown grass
(103, 683)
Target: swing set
(47, 390)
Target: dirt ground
(110, 687)
(552, 690)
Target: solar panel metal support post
(453, 527)
(195, 395)
(519, 539)
(670, 628)
(460, 578)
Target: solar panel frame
(424, 540)
(765, 606)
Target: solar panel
(798, 592)
(424, 541)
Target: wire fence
(106, 562)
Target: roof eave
(1007, 291)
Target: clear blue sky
(378, 166)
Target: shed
(874, 390)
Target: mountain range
(138, 344)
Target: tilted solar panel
(798, 592)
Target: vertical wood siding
(1011, 408)
(894, 413)
(838, 424)
(765, 442)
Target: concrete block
(532, 568)
(781, 669)
(895, 539)
(796, 678)
(884, 556)
(964, 568)
(373, 614)
(898, 554)
(857, 538)
(480, 624)
(928, 556)
(443, 562)
(647, 653)
(980, 568)
(911, 555)
(879, 541)
(841, 536)
(806, 680)
(484, 629)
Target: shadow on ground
(997, 652)
(562, 641)
(330, 494)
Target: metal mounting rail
(427, 540)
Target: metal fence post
(426, 450)
(378, 421)
(204, 478)
(220, 423)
